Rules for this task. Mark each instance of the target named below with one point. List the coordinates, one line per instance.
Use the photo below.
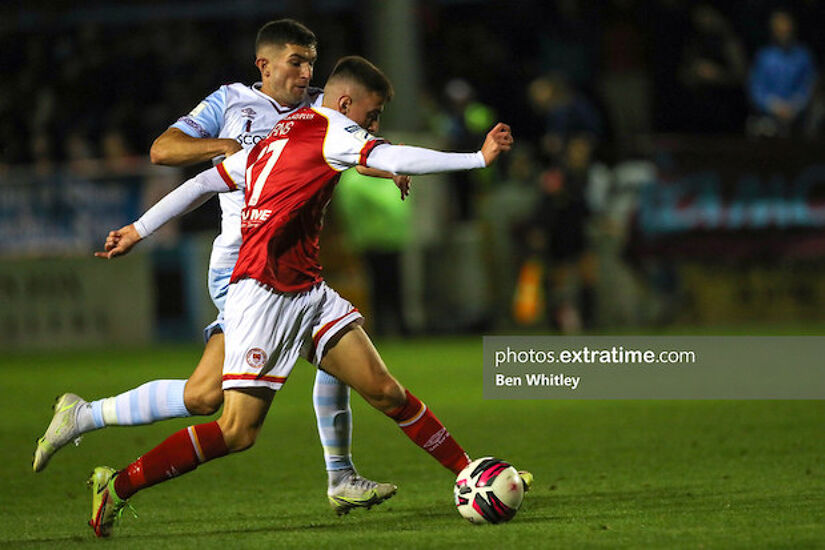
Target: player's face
(286, 71)
(366, 109)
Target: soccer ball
(488, 490)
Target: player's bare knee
(202, 401)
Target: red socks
(426, 431)
(182, 452)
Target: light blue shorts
(218, 287)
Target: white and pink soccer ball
(488, 490)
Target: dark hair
(283, 32)
(358, 69)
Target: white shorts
(266, 331)
(218, 287)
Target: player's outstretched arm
(174, 148)
(403, 159)
(186, 197)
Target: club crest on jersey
(256, 358)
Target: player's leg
(203, 394)
(73, 416)
(236, 430)
(351, 356)
(200, 394)
(148, 403)
(331, 401)
(353, 359)
(253, 335)
(346, 489)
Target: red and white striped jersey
(289, 179)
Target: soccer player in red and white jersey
(278, 306)
(234, 117)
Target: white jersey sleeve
(233, 170)
(224, 177)
(403, 159)
(207, 118)
(347, 144)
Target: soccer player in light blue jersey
(234, 117)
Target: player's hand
(400, 181)
(403, 184)
(119, 242)
(499, 139)
(232, 147)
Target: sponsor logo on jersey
(254, 216)
(249, 139)
(256, 358)
(357, 131)
(248, 112)
(302, 115)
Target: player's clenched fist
(499, 139)
(119, 242)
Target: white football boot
(355, 491)
(61, 430)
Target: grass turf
(687, 474)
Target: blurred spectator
(569, 41)
(505, 211)
(782, 80)
(712, 72)
(116, 152)
(79, 150)
(378, 228)
(560, 229)
(465, 123)
(625, 82)
(42, 153)
(565, 113)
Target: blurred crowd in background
(75, 88)
(581, 82)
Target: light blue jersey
(245, 114)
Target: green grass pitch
(663, 474)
